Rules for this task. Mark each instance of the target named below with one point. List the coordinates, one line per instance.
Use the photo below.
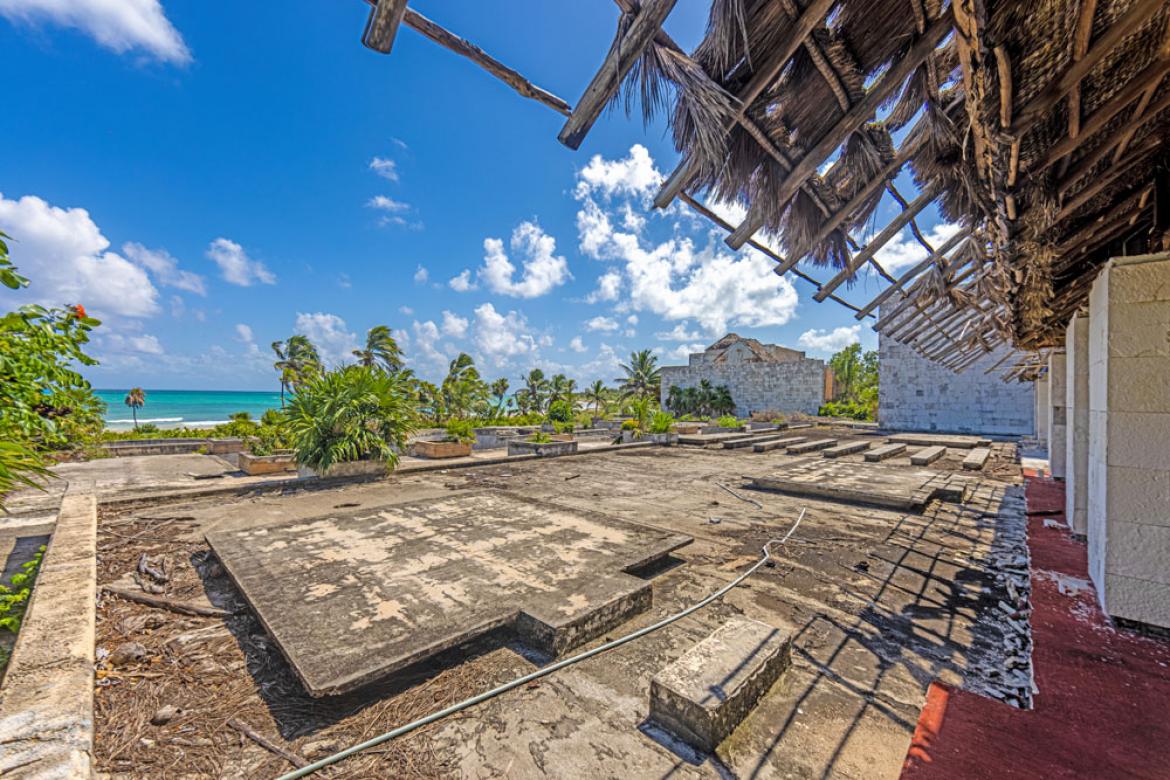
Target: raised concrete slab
(707, 692)
(848, 448)
(751, 440)
(776, 444)
(976, 459)
(884, 453)
(811, 446)
(940, 439)
(353, 597)
(876, 484)
(927, 455)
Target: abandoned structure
(760, 377)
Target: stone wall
(791, 386)
(919, 395)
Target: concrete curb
(46, 702)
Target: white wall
(1076, 487)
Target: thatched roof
(1037, 126)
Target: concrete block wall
(1128, 498)
(1041, 409)
(1076, 362)
(791, 386)
(916, 394)
(1057, 415)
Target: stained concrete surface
(860, 482)
(354, 596)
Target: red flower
(79, 310)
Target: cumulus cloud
(384, 167)
(244, 333)
(633, 175)
(427, 352)
(830, 340)
(679, 332)
(64, 253)
(462, 281)
(454, 325)
(502, 338)
(543, 270)
(683, 352)
(235, 265)
(329, 333)
(577, 345)
(593, 229)
(421, 275)
(406, 311)
(120, 25)
(605, 324)
(609, 287)
(383, 203)
(903, 250)
(165, 268)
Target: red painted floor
(1103, 710)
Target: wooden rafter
(1108, 178)
(899, 285)
(1081, 36)
(382, 25)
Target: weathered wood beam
(1138, 112)
(865, 109)
(626, 50)
(1089, 162)
(760, 80)
(1108, 178)
(820, 61)
(970, 20)
(382, 25)
(1081, 36)
(918, 268)
(892, 229)
(1132, 20)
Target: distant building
(761, 377)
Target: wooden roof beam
(919, 268)
(382, 25)
(625, 51)
(1131, 21)
(1112, 175)
(1081, 36)
(865, 109)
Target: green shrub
(462, 431)
(854, 410)
(728, 421)
(560, 412)
(563, 427)
(14, 598)
(540, 437)
(629, 425)
(148, 428)
(661, 422)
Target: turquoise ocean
(185, 408)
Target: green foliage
(728, 421)
(702, 400)
(463, 393)
(148, 428)
(641, 410)
(563, 427)
(629, 425)
(661, 422)
(462, 431)
(297, 362)
(854, 410)
(559, 411)
(271, 435)
(643, 376)
(20, 464)
(540, 437)
(15, 595)
(381, 350)
(855, 375)
(351, 413)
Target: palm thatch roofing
(1037, 126)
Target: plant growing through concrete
(14, 599)
(461, 431)
(728, 421)
(661, 422)
(540, 437)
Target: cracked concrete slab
(353, 597)
(863, 483)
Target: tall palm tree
(706, 396)
(297, 362)
(136, 399)
(557, 388)
(595, 394)
(674, 399)
(721, 400)
(381, 349)
(281, 365)
(643, 376)
(500, 393)
(537, 386)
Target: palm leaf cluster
(703, 399)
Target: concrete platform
(848, 448)
(811, 446)
(776, 444)
(927, 455)
(885, 453)
(353, 597)
(874, 484)
(940, 440)
(749, 440)
(706, 693)
(977, 459)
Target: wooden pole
(930, 260)
(383, 23)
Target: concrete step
(882, 453)
(848, 448)
(976, 460)
(748, 440)
(957, 441)
(776, 444)
(706, 693)
(927, 455)
(811, 446)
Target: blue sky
(211, 177)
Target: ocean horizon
(185, 408)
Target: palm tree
(281, 365)
(298, 362)
(643, 376)
(523, 401)
(500, 393)
(706, 396)
(381, 349)
(136, 399)
(674, 399)
(721, 401)
(537, 386)
(463, 391)
(595, 394)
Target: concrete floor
(881, 603)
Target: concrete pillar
(1041, 391)
(1129, 438)
(1076, 487)
(1057, 415)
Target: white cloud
(235, 265)
(632, 319)
(386, 168)
(63, 253)
(383, 203)
(165, 268)
(462, 281)
(577, 345)
(406, 311)
(683, 352)
(427, 351)
(605, 324)
(632, 220)
(146, 344)
(593, 229)
(454, 325)
(329, 333)
(679, 333)
(244, 333)
(830, 340)
(120, 25)
(903, 250)
(543, 270)
(502, 337)
(634, 175)
(421, 275)
(609, 286)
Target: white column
(1129, 438)
(1057, 415)
(1076, 488)
(1041, 409)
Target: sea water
(185, 408)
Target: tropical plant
(643, 376)
(135, 399)
(728, 421)
(661, 422)
(721, 401)
(641, 410)
(540, 437)
(462, 431)
(597, 395)
(499, 390)
(14, 598)
(297, 361)
(537, 388)
(351, 413)
(463, 392)
(855, 377)
(560, 412)
(381, 350)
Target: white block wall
(1057, 415)
(1129, 438)
(1076, 485)
(1041, 407)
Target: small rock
(164, 715)
(714, 520)
(127, 653)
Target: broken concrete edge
(46, 701)
(833, 493)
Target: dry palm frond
(726, 40)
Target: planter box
(709, 429)
(686, 428)
(546, 450)
(357, 468)
(441, 449)
(667, 439)
(256, 465)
